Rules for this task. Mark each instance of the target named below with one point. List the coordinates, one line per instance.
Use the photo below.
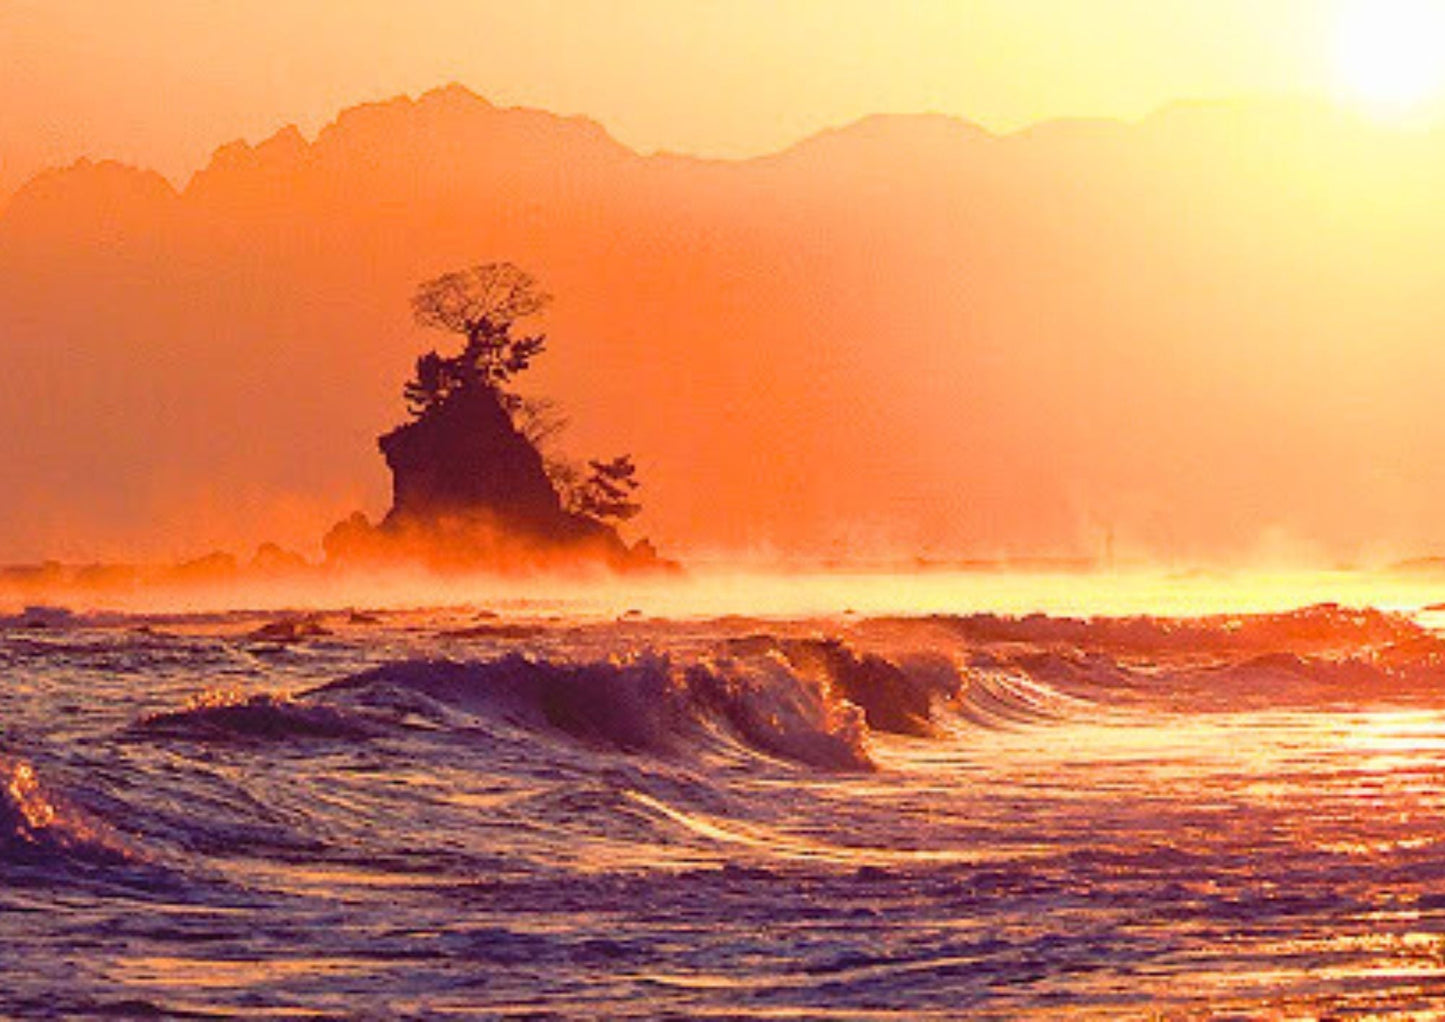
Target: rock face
(470, 491)
(464, 457)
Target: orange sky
(162, 82)
(1212, 331)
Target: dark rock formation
(470, 491)
(464, 457)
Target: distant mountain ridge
(1208, 332)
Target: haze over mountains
(1215, 333)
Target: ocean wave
(38, 827)
(257, 718)
(1001, 698)
(1216, 681)
(1286, 678)
(1324, 653)
(898, 698)
(818, 702)
(782, 712)
(644, 703)
(1325, 626)
(912, 692)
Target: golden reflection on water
(224, 972)
(23, 789)
(784, 845)
(1394, 739)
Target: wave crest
(37, 827)
(263, 717)
(644, 703)
(1324, 626)
(894, 697)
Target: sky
(161, 83)
(1208, 331)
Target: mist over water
(880, 796)
(762, 590)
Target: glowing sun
(1391, 53)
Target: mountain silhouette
(1202, 332)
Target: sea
(896, 797)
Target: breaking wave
(1325, 653)
(810, 701)
(646, 703)
(823, 702)
(1001, 699)
(263, 717)
(895, 698)
(38, 827)
(1325, 626)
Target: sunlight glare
(1389, 53)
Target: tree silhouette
(536, 418)
(482, 304)
(431, 385)
(608, 489)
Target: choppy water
(457, 814)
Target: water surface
(471, 814)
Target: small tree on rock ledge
(608, 490)
(482, 304)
